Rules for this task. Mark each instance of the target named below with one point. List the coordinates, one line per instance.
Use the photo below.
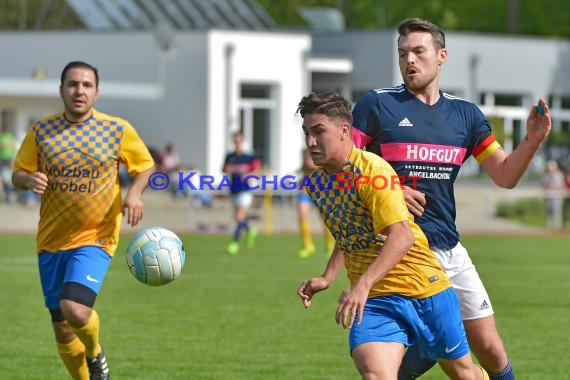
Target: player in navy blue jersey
(239, 164)
(428, 134)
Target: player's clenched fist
(37, 182)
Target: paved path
(476, 207)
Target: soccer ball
(155, 256)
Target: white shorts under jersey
(474, 300)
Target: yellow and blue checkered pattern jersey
(82, 205)
(358, 214)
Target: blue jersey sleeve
(480, 129)
(365, 117)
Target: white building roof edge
(50, 88)
(330, 65)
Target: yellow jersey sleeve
(134, 153)
(27, 156)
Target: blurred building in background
(195, 71)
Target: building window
(258, 106)
(508, 100)
(255, 91)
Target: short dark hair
(85, 65)
(415, 24)
(331, 104)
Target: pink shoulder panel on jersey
(359, 138)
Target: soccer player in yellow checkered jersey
(399, 294)
(304, 206)
(72, 159)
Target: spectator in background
(566, 206)
(193, 190)
(7, 154)
(170, 159)
(565, 167)
(171, 165)
(156, 155)
(25, 197)
(199, 197)
(554, 188)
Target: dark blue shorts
(434, 323)
(85, 265)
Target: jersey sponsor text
(430, 175)
(423, 152)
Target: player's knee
(374, 372)
(489, 347)
(491, 355)
(76, 303)
(63, 332)
(485, 342)
(75, 314)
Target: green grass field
(239, 317)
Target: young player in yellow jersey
(304, 206)
(399, 293)
(72, 160)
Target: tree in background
(545, 18)
(530, 17)
(37, 14)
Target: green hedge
(526, 211)
(531, 211)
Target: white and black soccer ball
(155, 256)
